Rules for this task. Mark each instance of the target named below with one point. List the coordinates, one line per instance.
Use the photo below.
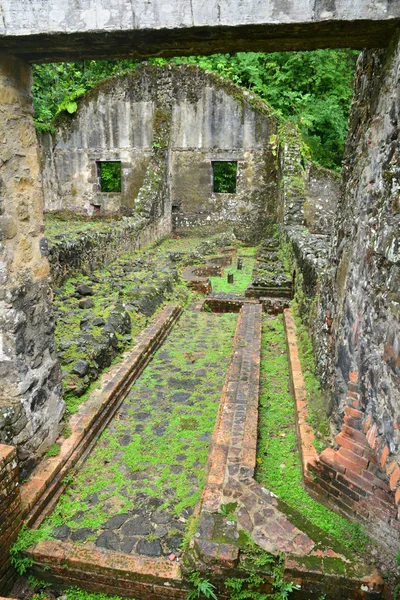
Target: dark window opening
(110, 176)
(224, 176)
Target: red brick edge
(41, 492)
(10, 513)
(359, 479)
(101, 570)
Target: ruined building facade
(350, 281)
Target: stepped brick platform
(359, 479)
(222, 303)
(198, 283)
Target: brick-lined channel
(138, 488)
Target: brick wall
(360, 478)
(10, 512)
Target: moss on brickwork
(278, 460)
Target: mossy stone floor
(137, 490)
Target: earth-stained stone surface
(138, 488)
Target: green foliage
(311, 89)
(27, 538)
(202, 587)
(54, 450)
(224, 176)
(110, 176)
(241, 278)
(75, 593)
(246, 588)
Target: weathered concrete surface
(30, 381)
(67, 29)
(166, 125)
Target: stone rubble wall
(366, 252)
(323, 192)
(95, 249)
(31, 402)
(166, 125)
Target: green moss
(278, 461)
(54, 450)
(242, 278)
(198, 349)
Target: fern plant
(202, 587)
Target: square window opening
(224, 176)
(110, 175)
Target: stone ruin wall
(366, 253)
(348, 283)
(30, 377)
(208, 118)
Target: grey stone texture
(366, 253)
(347, 278)
(69, 29)
(166, 125)
(30, 381)
(92, 250)
(323, 192)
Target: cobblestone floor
(138, 488)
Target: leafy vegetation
(202, 587)
(278, 461)
(110, 176)
(252, 587)
(26, 538)
(54, 450)
(312, 89)
(224, 174)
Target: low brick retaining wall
(101, 570)
(358, 479)
(226, 304)
(10, 513)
